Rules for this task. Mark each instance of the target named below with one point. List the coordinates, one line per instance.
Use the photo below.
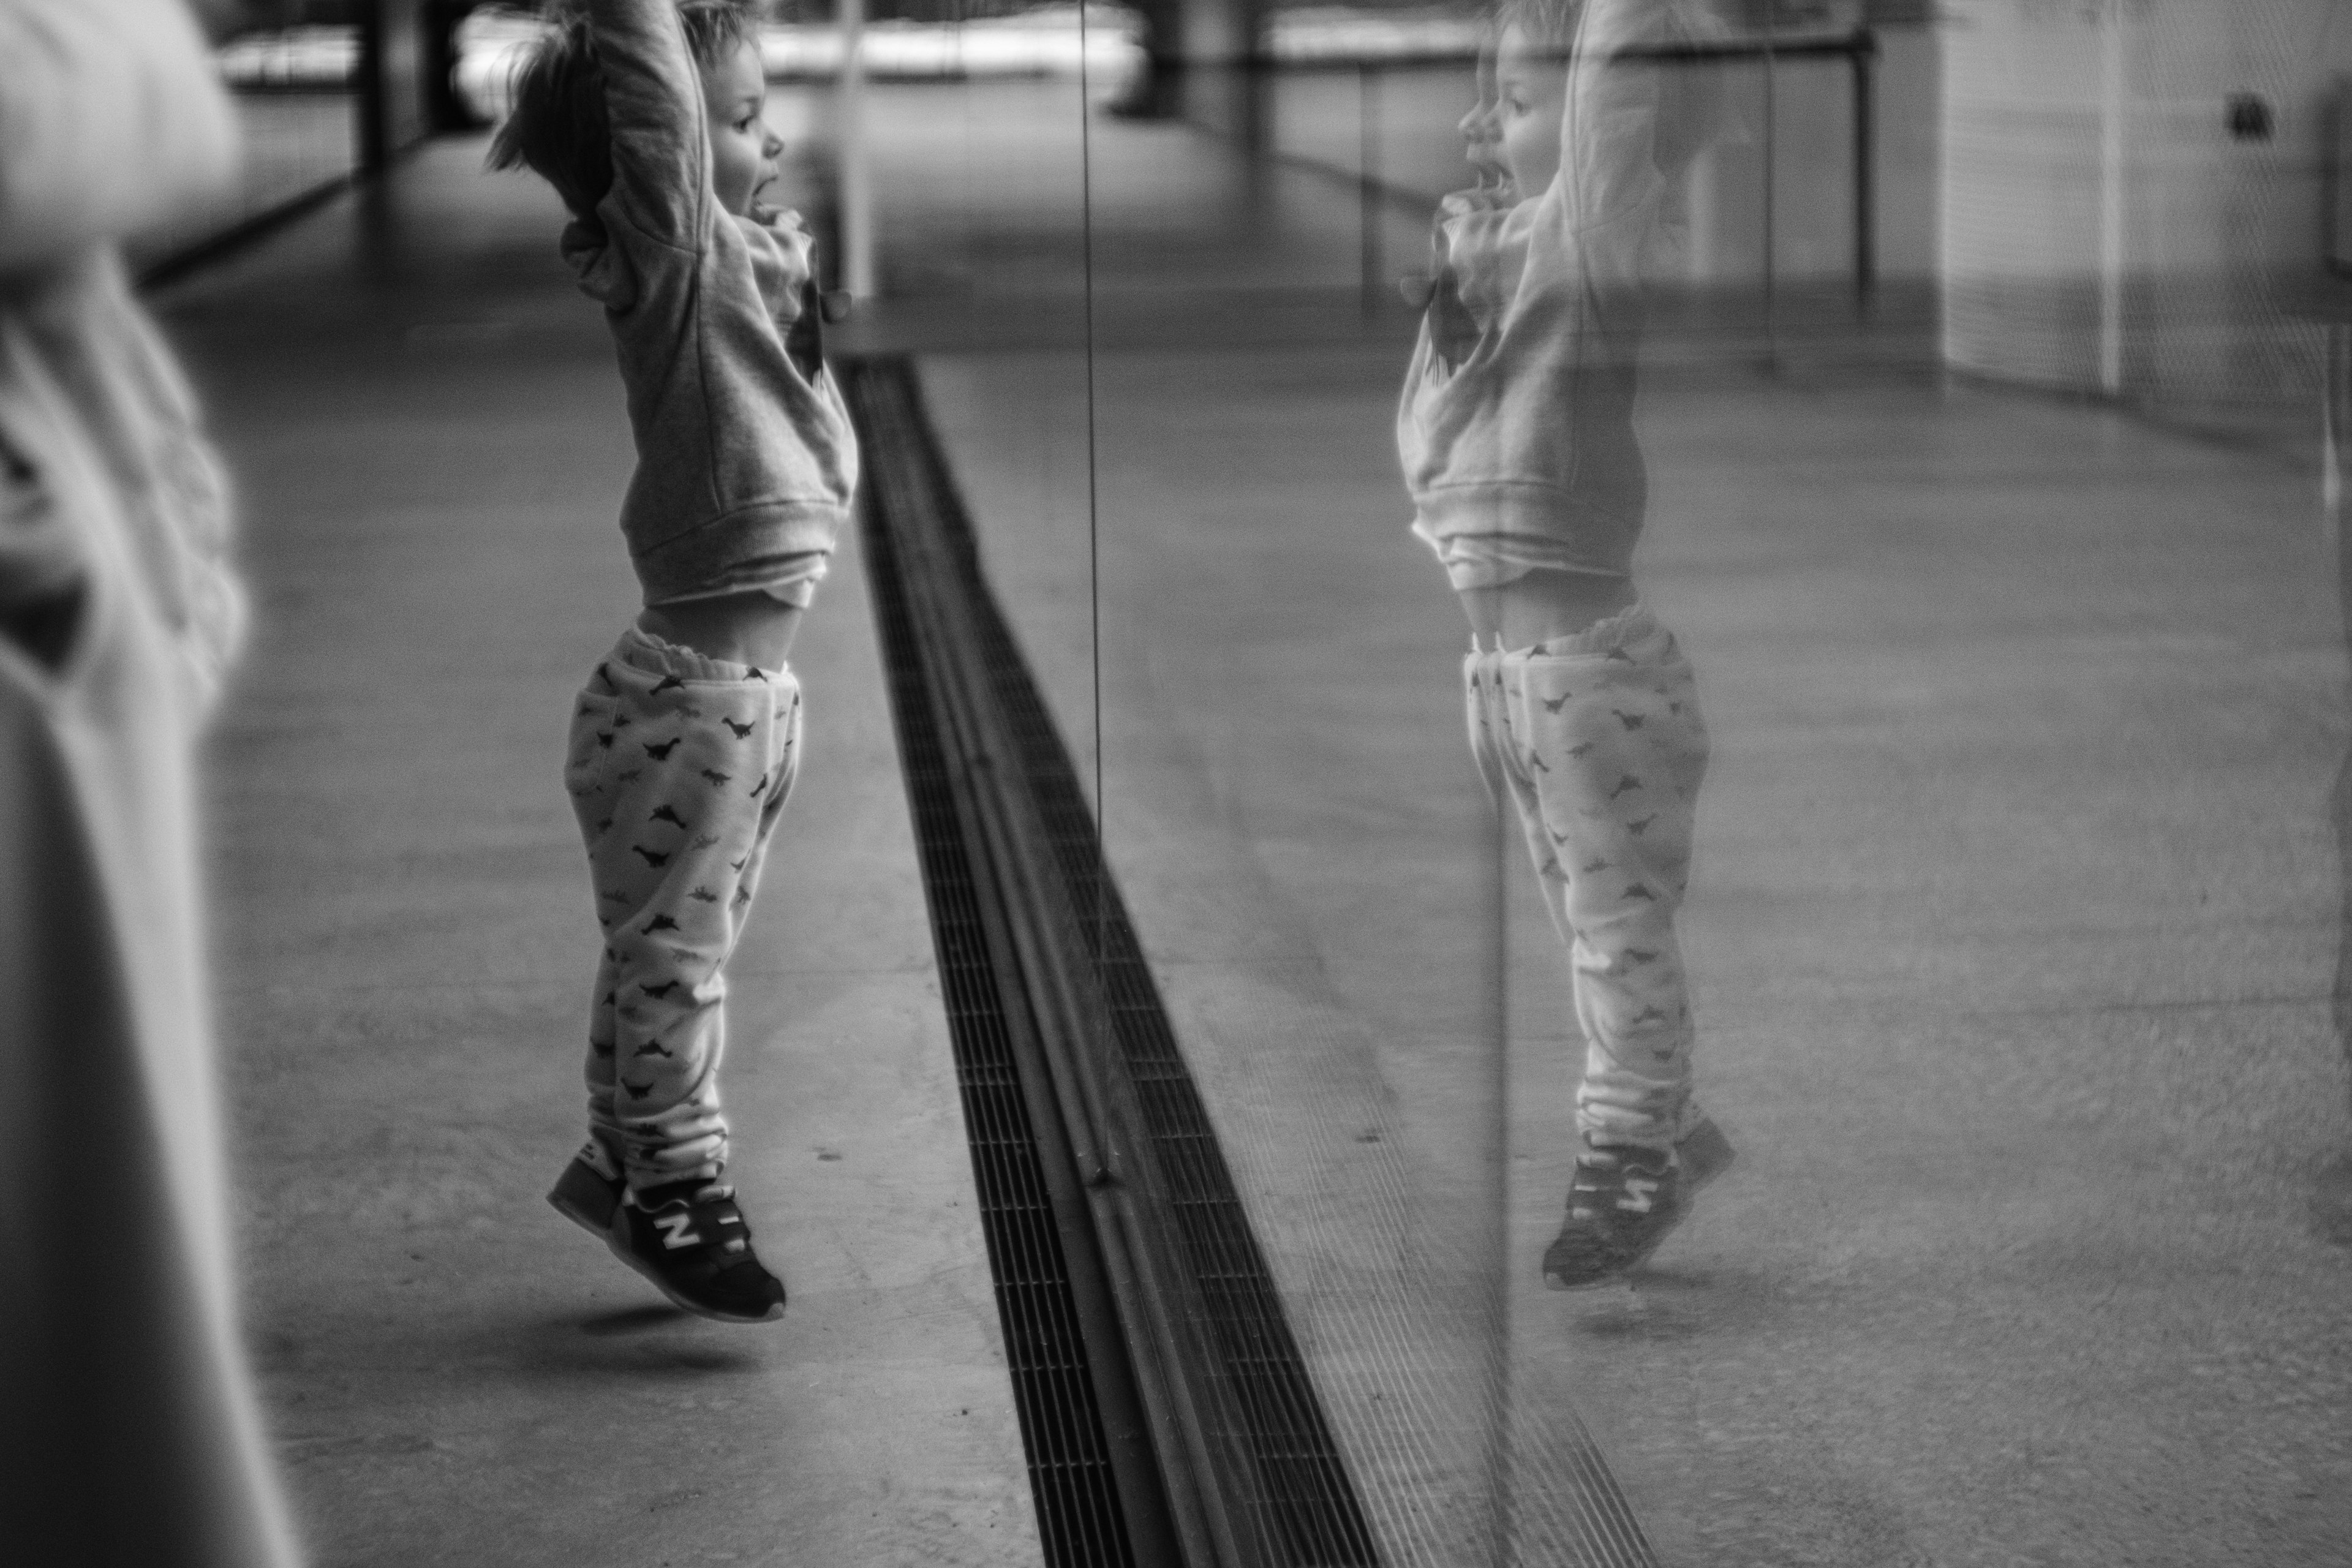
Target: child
(645, 117)
(1516, 431)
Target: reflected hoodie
(746, 460)
(1515, 426)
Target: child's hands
(1481, 198)
(833, 304)
(1453, 330)
(785, 221)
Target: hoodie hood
(780, 261)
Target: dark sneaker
(589, 1191)
(1622, 1202)
(691, 1241)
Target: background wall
(2132, 189)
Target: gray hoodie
(1515, 428)
(746, 461)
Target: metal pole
(1496, 1171)
(369, 105)
(2331, 448)
(2111, 199)
(1368, 167)
(858, 270)
(1771, 215)
(1865, 168)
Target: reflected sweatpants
(1597, 740)
(678, 768)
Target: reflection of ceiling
(291, 58)
(1044, 42)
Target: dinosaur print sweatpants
(677, 770)
(1597, 740)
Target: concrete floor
(2013, 924)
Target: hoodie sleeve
(653, 101)
(111, 121)
(1608, 165)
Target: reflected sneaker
(1706, 1153)
(590, 1190)
(1621, 1202)
(692, 1242)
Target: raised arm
(1608, 164)
(111, 121)
(653, 100)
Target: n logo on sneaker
(675, 1234)
(1638, 1190)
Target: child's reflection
(1517, 436)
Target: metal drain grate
(1247, 1470)
(1080, 1519)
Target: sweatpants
(1597, 740)
(678, 768)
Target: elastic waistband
(1539, 523)
(640, 649)
(1634, 623)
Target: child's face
(743, 151)
(1481, 129)
(1530, 96)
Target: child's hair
(1691, 112)
(1549, 24)
(557, 128)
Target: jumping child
(1516, 430)
(645, 116)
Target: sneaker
(590, 1190)
(1621, 1202)
(691, 1241)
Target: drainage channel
(1166, 1413)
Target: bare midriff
(752, 627)
(1542, 604)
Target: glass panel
(1980, 673)
(1947, 400)
(973, 142)
(1285, 796)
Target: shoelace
(716, 1192)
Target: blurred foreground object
(131, 1434)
